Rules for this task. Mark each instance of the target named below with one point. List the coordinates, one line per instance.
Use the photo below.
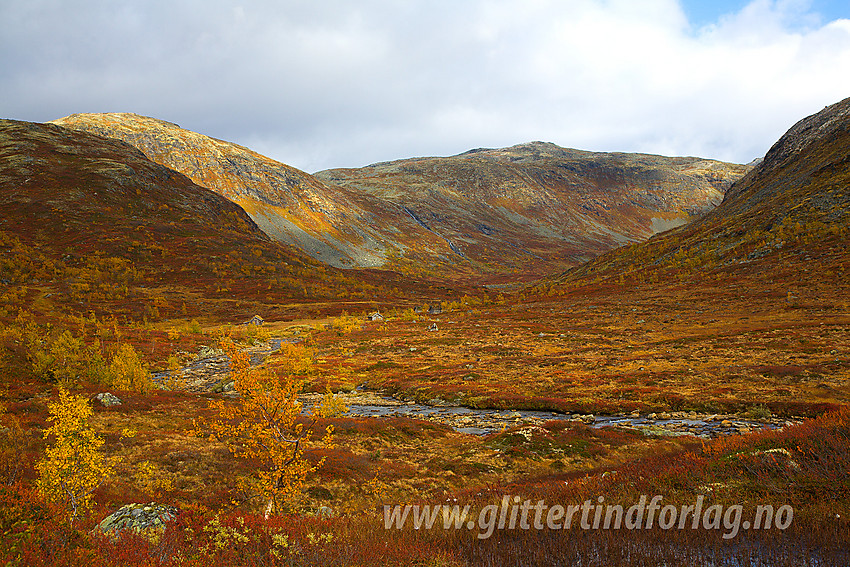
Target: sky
(319, 84)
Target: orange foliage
(263, 426)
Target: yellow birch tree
(73, 465)
(263, 424)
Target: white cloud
(337, 83)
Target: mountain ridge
(794, 204)
(484, 215)
(91, 218)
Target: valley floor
(764, 356)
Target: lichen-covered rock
(145, 519)
(325, 512)
(107, 400)
(226, 385)
(209, 352)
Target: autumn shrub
(15, 450)
(127, 372)
(256, 334)
(407, 315)
(29, 533)
(152, 479)
(346, 323)
(193, 327)
(330, 405)
(293, 360)
(759, 411)
(61, 356)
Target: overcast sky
(344, 83)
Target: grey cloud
(322, 84)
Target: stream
(485, 421)
(209, 372)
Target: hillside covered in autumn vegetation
(148, 419)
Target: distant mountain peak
(118, 117)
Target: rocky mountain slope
(482, 215)
(788, 217)
(289, 205)
(89, 218)
(533, 207)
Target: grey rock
(144, 519)
(325, 512)
(108, 400)
(209, 352)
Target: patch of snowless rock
(482, 422)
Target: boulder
(325, 512)
(108, 400)
(147, 520)
(209, 352)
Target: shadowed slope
(536, 207)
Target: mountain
(484, 215)
(289, 205)
(92, 219)
(787, 221)
(534, 207)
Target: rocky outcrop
(108, 399)
(148, 520)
